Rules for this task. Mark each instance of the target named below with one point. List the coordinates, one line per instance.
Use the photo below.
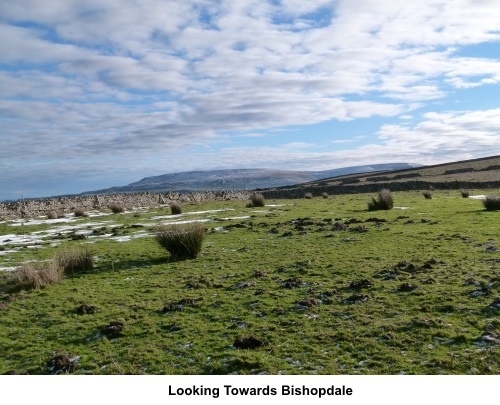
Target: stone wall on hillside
(37, 207)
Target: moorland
(316, 285)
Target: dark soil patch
(85, 309)
(113, 330)
(308, 302)
(62, 363)
(248, 343)
(360, 284)
(355, 298)
(406, 287)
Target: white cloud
(128, 79)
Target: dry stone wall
(37, 207)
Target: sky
(102, 93)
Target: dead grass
(181, 241)
(75, 260)
(384, 202)
(427, 194)
(34, 276)
(175, 208)
(256, 200)
(79, 212)
(465, 193)
(52, 215)
(116, 208)
(308, 195)
(492, 203)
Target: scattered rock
(113, 330)
(286, 234)
(85, 309)
(62, 363)
(259, 274)
(340, 227)
(248, 343)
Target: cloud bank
(95, 94)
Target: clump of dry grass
(256, 200)
(176, 208)
(492, 203)
(52, 215)
(427, 194)
(308, 195)
(465, 193)
(34, 276)
(116, 208)
(79, 212)
(384, 202)
(324, 195)
(181, 241)
(75, 260)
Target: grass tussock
(427, 194)
(79, 212)
(308, 196)
(492, 203)
(324, 195)
(34, 276)
(52, 215)
(464, 193)
(256, 200)
(116, 208)
(384, 202)
(181, 241)
(175, 208)
(75, 260)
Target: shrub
(384, 202)
(79, 212)
(256, 200)
(427, 194)
(75, 260)
(492, 203)
(465, 193)
(181, 241)
(52, 215)
(116, 208)
(324, 195)
(308, 195)
(175, 208)
(34, 276)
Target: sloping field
(305, 286)
(477, 173)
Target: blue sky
(100, 93)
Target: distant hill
(239, 179)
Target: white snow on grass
(191, 213)
(478, 197)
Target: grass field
(314, 286)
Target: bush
(427, 195)
(256, 200)
(384, 202)
(79, 212)
(324, 195)
(175, 208)
(75, 260)
(52, 215)
(181, 241)
(492, 203)
(35, 276)
(116, 208)
(464, 193)
(308, 195)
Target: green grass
(286, 276)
